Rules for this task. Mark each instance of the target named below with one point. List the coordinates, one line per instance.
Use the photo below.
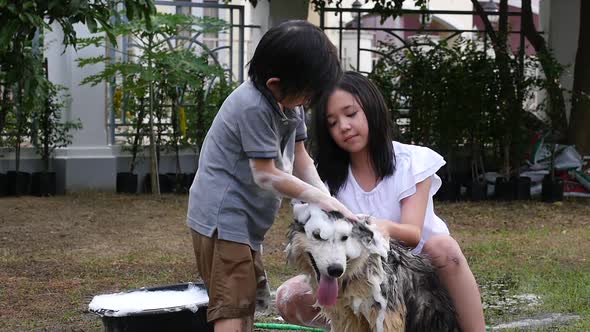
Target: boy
(245, 166)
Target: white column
(259, 15)
(88, 163)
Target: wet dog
(363, 281)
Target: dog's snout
(335, 270)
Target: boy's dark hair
(301, 56)
(332, 161)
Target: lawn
(56, 253)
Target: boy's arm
(268, 177)
(304, 168)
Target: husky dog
(362, 281)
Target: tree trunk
(579, 128)
(487, 24)
(4, 107)
(154, 169)
(138, 135)
(554, 91)
(19, 126)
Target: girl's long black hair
(332, 161)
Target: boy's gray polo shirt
(224, 196)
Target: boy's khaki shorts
(232, 273)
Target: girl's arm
(413, 211)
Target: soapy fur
(382, 287)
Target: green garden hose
(292, 327)
(279, 326)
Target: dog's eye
(317, 236)
(344, 238)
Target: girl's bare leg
(295, 302)
(454, 272)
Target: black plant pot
(18, 184)
(552, 191)
(166, 185)
(504, 190)
(522, 187)
(188, 181)
(449, 191)
(478, 191)
(3, 185)
(177, 182)
(126, 183)
(43, 184)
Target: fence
(226, 49)
(360, 34)
(362, 19)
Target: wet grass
(56, 253)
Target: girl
(390, 181)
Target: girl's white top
(413, 164)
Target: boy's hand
(330, 203)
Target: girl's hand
(382, 225)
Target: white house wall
(349, 51)
(560, 20)
(88, 163)
(461, 22)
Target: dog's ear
(362, 232)
(301, 212)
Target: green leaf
(92, 61)
(90, 41)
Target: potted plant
(479, 92)
(415, 84)
(165, 66)
(130, 100)
(26, 87)
(20, 63)
(200, 109)
(555, 125)
(50, 133)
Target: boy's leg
(228, 271)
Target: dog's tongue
(327, 291)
